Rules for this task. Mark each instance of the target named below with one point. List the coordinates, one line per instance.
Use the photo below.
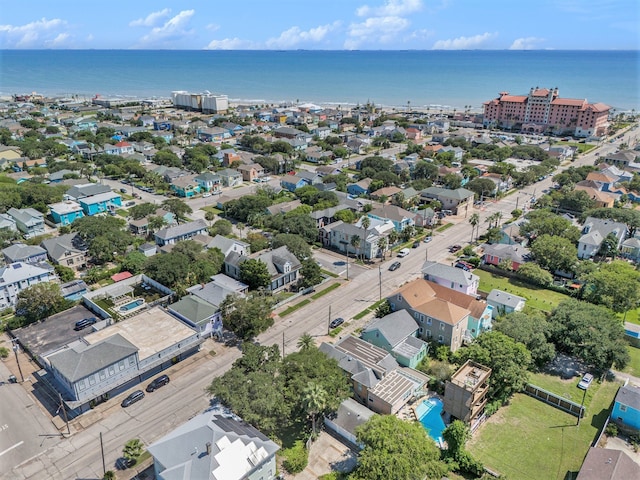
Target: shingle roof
(80, 359)
(629, 395)
(182, 229)
(20, 251)
(608, 464)
(194, 308)
(58, 247)
(456, 275)
(394, 327)
(504, 298)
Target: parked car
(123, 190)
(404, 252)
(133, 398)
(586, 381)
(455, 248)
(84, 323)
(130, 204)
(394, 266)
(427, 239)
(464, 265)
(161, 381)
(415, 244)
(336, 322)
(206, 195)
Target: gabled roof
(226, 245)
(392, 212)
(629, 395)
(26, 215)
(504, 298)
(456, 275)
(87, 190)
(194, 308)
(515, 253)
(80, 359)
(457, 194)
(608, 464)
(19, 271)
(212, 446)
(58, 247)
(182, 229)
(394, 327)
(20, 251)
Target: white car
(586, 381)
(206, 195)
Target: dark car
(123, 190)
(394, 266)
(161, 381)
(85, 322)
(454, 248)
(415, 245)
(336, 322)
(464, 265)
(133, 398)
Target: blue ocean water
(453, 79)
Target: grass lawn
(325, 291)
(444, 227)
(565, 388)
(634, 364)
(582, 147)
(537, 297)
(633, 316)
(215, 210)
(295, 307)
(530, 440)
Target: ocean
(416, 79)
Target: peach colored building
(542, 109)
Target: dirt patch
(565, 367)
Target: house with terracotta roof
(442, 314)
(601, 199)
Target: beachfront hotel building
(544, 110)
(205, 102)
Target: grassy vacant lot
(634, 364)
(537, 297)
(582, 147)
(530, 440)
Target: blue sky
(321, 25)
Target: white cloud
(464, 43)
(230, 44)
(213, 27)
(525, 43)
(173, 29)
(30, 35)
(295, 36)
(374, 29)
(59, 41)
(150, 20)
(391, 8)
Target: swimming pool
(131, 305)
(429, 415)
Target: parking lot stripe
(11, 448)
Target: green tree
(221, 227)
(456, 435)
(305, 342)
(383, 309)
(65, 274)
(133, 262)
(615, 285)
(590, 332)
(311, 273)
(132, 450)
(39, 301)
(535, 274)
(177, 207)
(346, 216)
(315, 402)
(170, 269)
(482, 187)
(452, 181)
(533, 331)
(509, 361)
(294, 243)
(248, 316)
(474, 220)
(142, 210)
(396, 449)
(255, 273)
(257, 241)
(543, 222)
(555, 253)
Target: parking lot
(53, 332)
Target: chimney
(208, 445)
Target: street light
(15, 350)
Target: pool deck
(408, 412)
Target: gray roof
(19, 271)
(226, 245)
(596, 229)
(182, 453)
(194, 308)
(394, 327)
(515, 253)
(213, 293)
(182, 229)
(87, 190)
(456, 275)
(229, 172)
(504, 298)
(73, 287)
(79, 359)
(629, 395)
(58, 247)
(273, 259)
(26, 215)
(457, 194)
(409, 347)
(351, 415)
(608, 464)
(19, 251)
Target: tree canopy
(533, 331)
(39, 301)
(255, 273)
(247, 316)
(555, 253)
(294, 243)
(543, 222)
(615, 285)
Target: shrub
(492, 407)
(611, 430)
(4, 352)
(296, 458)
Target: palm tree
(382, 245)
(132, 450)
(474, 220)
(305, 342)
(365, 223)
(315, 401)
(393, 237)
(355, 243)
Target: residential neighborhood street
(79, 455)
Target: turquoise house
(100, 203)
(397, 333)
(626, 407)
(185, 187)
(65, 213)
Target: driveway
(327, 454)
(336, 263)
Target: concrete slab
(327, 454)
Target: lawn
(529, 440)
(632, 316)
(634, 364)
(537, 297)
(214, 210)
(582, 147)
(565, 388)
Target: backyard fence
(554, 400)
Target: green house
(397, 333)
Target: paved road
(79, 455)
(24, 430)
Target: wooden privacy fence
(554, 400)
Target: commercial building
(544, 110)
(205, 102)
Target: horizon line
(323, 50)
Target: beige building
(465, 395)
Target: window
(420, 330)
(132, 362)
(429, 335)
(121, 364)
(81, 385)
(103, 375)
(92, 380)
(441, 325)
(112, 370)
(428, 320)
(440, 339)
(623, 408)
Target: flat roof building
(465, 395)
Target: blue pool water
(429, 415)
(131, 305)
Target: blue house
(101, 203)
(64, 213)
(185, 186)
(209, 182)
(360, 188)
(626, 407)
(292, 182)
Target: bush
(296, 458)
(611, 430)
(4, 352)
(492, 407)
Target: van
(403, 253)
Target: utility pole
(104, 465)
(380, 281)
(426, 254)
(329, 322)
(581, 406)
(15, 350)
(282, 344)
(347, 252)
(64, 412)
